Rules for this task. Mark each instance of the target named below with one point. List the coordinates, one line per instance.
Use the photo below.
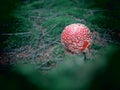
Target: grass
(45, 20)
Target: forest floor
(46, 24)
(51, 56)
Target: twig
(48, 30)
(10, 34)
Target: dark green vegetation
(71, 74)
(30, 34)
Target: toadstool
(76, 39)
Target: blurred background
(31, 54)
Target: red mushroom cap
(76, 38)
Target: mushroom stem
(85, 57)
(86, 54)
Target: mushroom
(76, 39)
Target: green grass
(45, 20)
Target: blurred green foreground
(102, 74)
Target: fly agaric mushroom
(76, 39)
